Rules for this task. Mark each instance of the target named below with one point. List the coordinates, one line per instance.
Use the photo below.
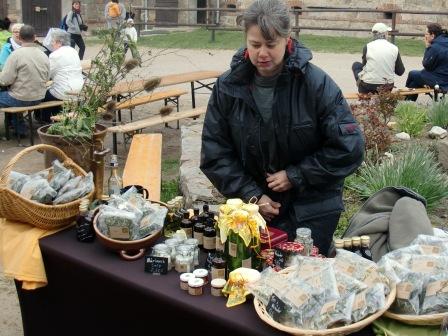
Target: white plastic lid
(184, 277)
(195, 282)
(218, 283)
(236, 202)
(200, 273)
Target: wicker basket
(421, 320)
(14, 206)
(127, 249)
(345, 330)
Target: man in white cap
(380, 62)
(130, 34)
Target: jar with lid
(356, 246)
(303, 236)
(201, 273)
(219, 266)
(217, 286)
(365, 247)
(194, 243)
(348, 244)
(162, 250)
(172, 243)
(187, 225)
(195, 286)
(184, 277)
(184, 259)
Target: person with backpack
(12, 43)
(75, 26)
(115, 14)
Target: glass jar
(216, 286)
(195, 286)
(219, 267)
(194, 243)
(201, 273)
(162, 250)
(303, 236)
(184, 277)
(184, 261)
(172, 243)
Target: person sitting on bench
(435, 61)
(25, 72)
(380, 61)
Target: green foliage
(170, 189)
(352, 204)
(108, 67)
(438, 113)
(416, 168)
(201, 39)
(411, 118)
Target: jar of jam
(216, 286)
(219, 267)
(195, 286)
(201, 273)
(184, 277)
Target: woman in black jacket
(278, 128)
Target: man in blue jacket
(435, 61)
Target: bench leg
(193, 98)
(7, 124)
(30, 123)
(176, 101)
(165, 102)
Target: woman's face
(266, 56)
(77, 5)
(429, 37)
(16, 34)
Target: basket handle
(128, 257)
(7, 169)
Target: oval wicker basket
(16, 207)
(345, 330)
(125, 247)
(421, 320)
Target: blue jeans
(7, 101)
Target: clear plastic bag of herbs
(432, 245)
(368, 302)
(435, 294)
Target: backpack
(63, 24)
(114, 10)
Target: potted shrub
(78, 131)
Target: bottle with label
(356, 246)
(239, 255)
(209, 236)
(205, 213)
(219, 267)
(219, 244)
(114, 183)
(365, 247)
(195, 217)
(84, 223)
(198, 233)
(170, 226)
(187, 225)
(338, 245)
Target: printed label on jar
(199, 236)
(195, 290)
(188, 232)
(209, 243)
(404, 290)
(247, 263)
(182, 268)
(218, 273)
(232, 249)
(437, 287)
(119, 232)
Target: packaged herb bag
(70, 185)
(368, 302)
(61, 175)
(84, 187)
(118, 224)
(270, 282)
(17, 180)
(334, 313)
(348, 285)
(435, 294)
(428, 264)
(38, 190)
(152, 221)
(432, 245)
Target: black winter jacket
(317, 140)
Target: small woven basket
(345, 330)
(15, 207)
(421, 320)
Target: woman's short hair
(16, 27)
(61, 36)
(272, 16)
(435, 29)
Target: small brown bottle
(338, 245)
(219, 267)
(187, 225)
(209, 238)
(365, 247)
(348, 244)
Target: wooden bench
(156, 120)
(144, 163)
(28, 110)
(401, 92)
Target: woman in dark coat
(435, 61)
(278, 128)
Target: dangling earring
(289, 45)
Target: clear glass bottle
(303, 236)
(114, 183)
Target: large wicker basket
(14, 206)
(345, 330)
(422, 320)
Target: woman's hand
(268, 208)
(278, 181)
